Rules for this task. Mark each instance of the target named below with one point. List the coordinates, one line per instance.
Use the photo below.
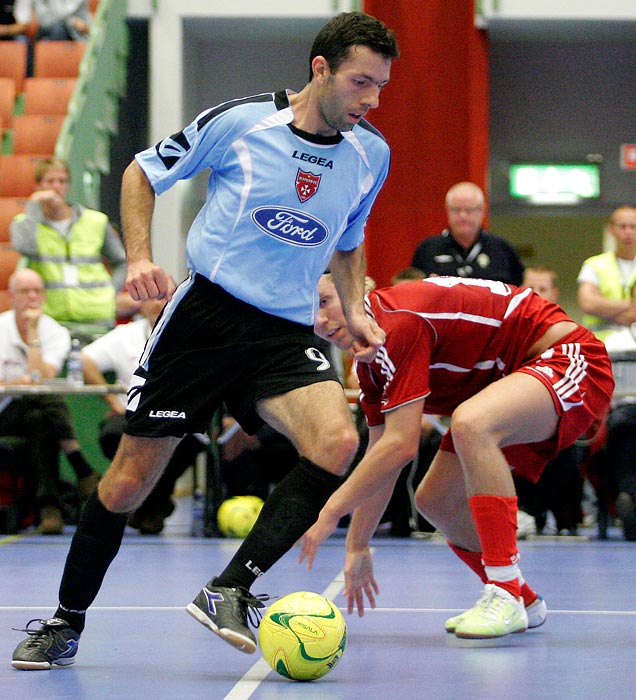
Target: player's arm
(366, 517)
(377, 471)
(348, 269)
(144, 279)
(358, 569)
(93, 375)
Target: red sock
(496, 522)
(471, 559)
(528, 595)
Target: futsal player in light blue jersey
(293, 177)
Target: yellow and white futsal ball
(303, 636)
(237, 515)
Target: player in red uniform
(520, 381)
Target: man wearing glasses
(465, 248)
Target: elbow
(584, 305)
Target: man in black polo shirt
(465, 248)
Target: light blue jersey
(279, 201)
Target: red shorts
(578, 373)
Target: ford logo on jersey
(291, 226)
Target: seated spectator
(62, 20)
(119, 351)
(620, 446)
(33, 348)
(465, 248)
(559, 489)
(607, 296)
(76, 250)
(606, 281)
(15, 18)
(251, 465)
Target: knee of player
(339, 446)
(422, 500)
(121, 493)
(468, 426)
(426, 502)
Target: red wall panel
(434, 114)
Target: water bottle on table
(74, 365)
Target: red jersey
(446, 339)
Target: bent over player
(520, 381)
(292, 182)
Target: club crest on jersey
(306, 184)
(291, 226)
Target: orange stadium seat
(13, 62)
(17, 174)
(9, 208)
(48, 95)
(7, 101)
(36, 133)
(5, 300)
(57, 59)
(8, 261)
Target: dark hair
(352, 29)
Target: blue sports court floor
(140, 643)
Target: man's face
(347, 95)
(55, 179)
(541, 283)
(465, 215)
(331, 324)
(623, 227)
(27, 292)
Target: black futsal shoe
(53, 644)
(226, 612)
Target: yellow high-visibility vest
(77, 283)
(610, 286)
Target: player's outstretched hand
(145, 280)
(359, 580)
(315, 536)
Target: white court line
(327, 594)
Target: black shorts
(209, 348)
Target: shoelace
(38, 636)
(490, 600)
(253, 603)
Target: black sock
(289, 511)
(80, 466)
(95, 544)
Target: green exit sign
(549, 183)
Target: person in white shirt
(62, 20)
(118, 351)
(33, 348)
